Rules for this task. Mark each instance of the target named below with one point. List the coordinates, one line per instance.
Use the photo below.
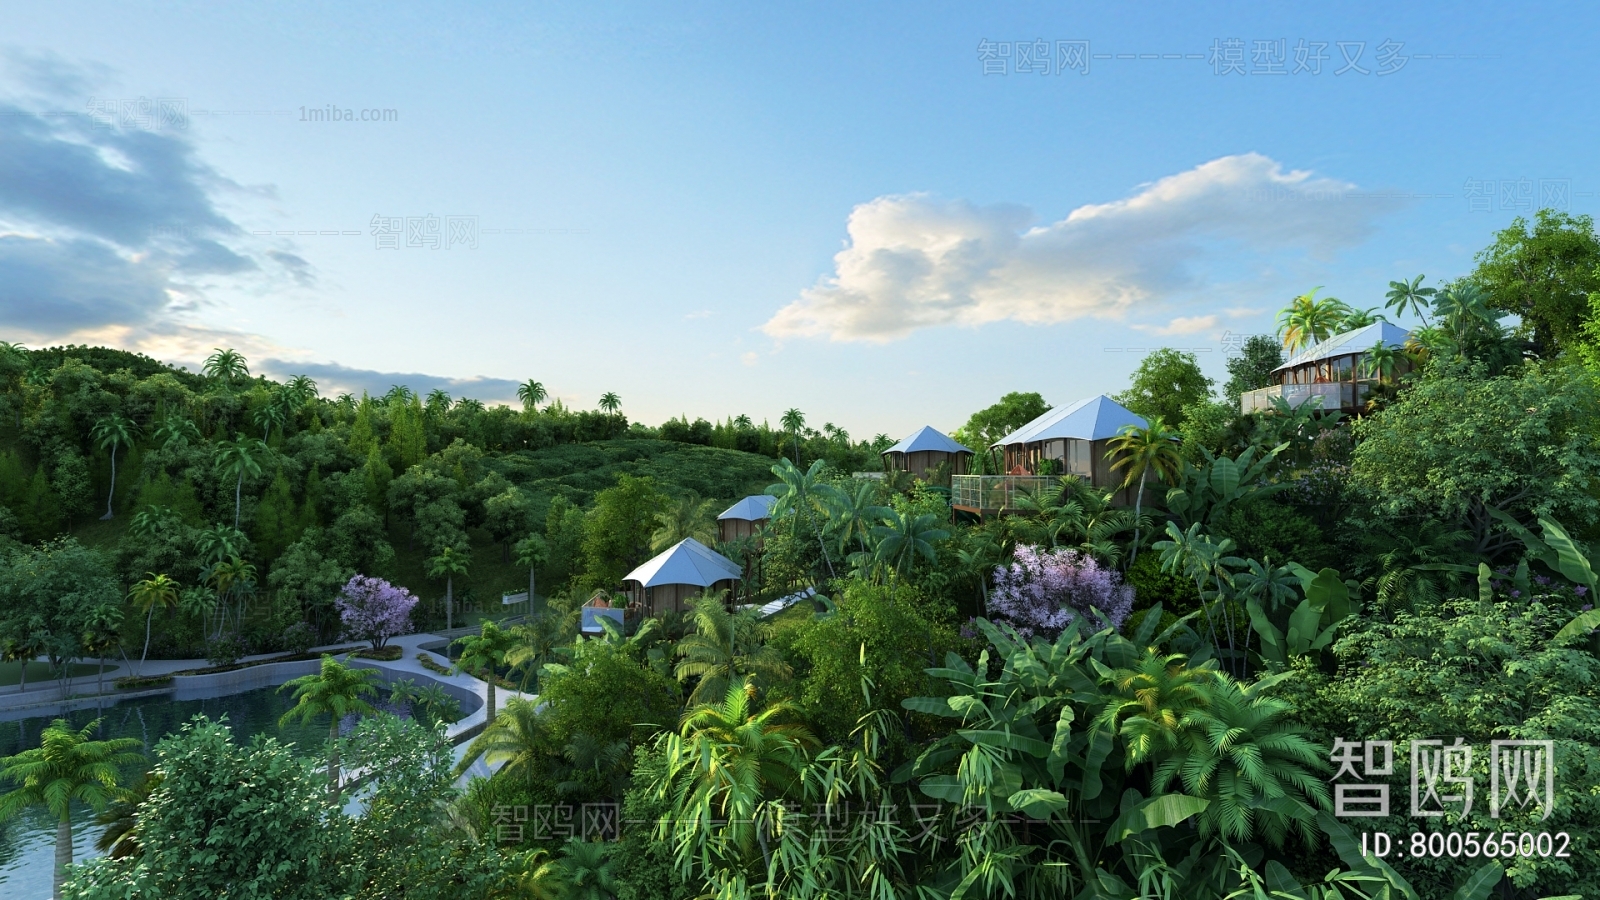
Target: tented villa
(671, 579)
(745, 518)
(1332, 373)
(925, 450)
(1070, 440)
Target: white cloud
(1181, 325)
(914, 262)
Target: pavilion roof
(1092, 419)
(928, 438)
(686, 562)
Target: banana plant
(1311, 626)
(1556, 550)
(1207, 492)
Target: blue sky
(726, 208)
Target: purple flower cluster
(372, 609)
(1042, 592)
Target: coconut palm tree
(686, 517)
(537, 640)
(902, 538)
(531, 393)
(610, 402)
(1307, 320)
(742, 421)
(238, 458)
(724, 762)
(227, 366)
(484, 652)
(112, 432)
(854, 513)
(726, 648)
(120, 819)
(1358, 318)
(799, 494)
(516, 738)
(438, 400)
(1153, 448)
(336, 691)
(232, 578)
(447, 565)
(177, 432)
(532, 552)
(1380, 361)
(67, 767)
(302, 388)
(273, 413)
(155, 590)
(793, 420)
(1409, 295)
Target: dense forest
(1075, 699)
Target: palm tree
(793, 420)
(235, 578)
(302, 388)
(447, 565)
(686, 517)
(1380, 361)
(438, 399)
(67, 767)
(217, 543)
(110, 433)
(726, 759)
(516, 738)
(742, 421)
(336, 691)
(854, 513)
(120, 818)
(273, 413)
(610, 402)
(532, 552)
(176, 431)
(798, 493)
(1307, 320)
(532, 393)
(1358, 318)
(1153, 448)
(902, 538)
(726, 648)
(239, 458)
(537, 640)
(226, 366)
(155, 590)
(1404, 295)
(586, 872)
(481, 654)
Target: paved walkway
(50, 694)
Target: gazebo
(1330, 373)
(924, 449)
(679, 573)
(743, 519)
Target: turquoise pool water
(27, 843)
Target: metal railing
(994, 492)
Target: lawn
(38, 672)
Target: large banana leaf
(1156, 812)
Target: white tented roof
(1094, 419)
(928, 438)
(753, 508)
(686, 562)
(1351, 342)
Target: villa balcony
(1346, 396)
(988, 495)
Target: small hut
(1071, 440)
(924, 450)
(744, 519)
(685, 569)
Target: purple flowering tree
(372, 609)
(1042, 591)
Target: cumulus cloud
(913, 261)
